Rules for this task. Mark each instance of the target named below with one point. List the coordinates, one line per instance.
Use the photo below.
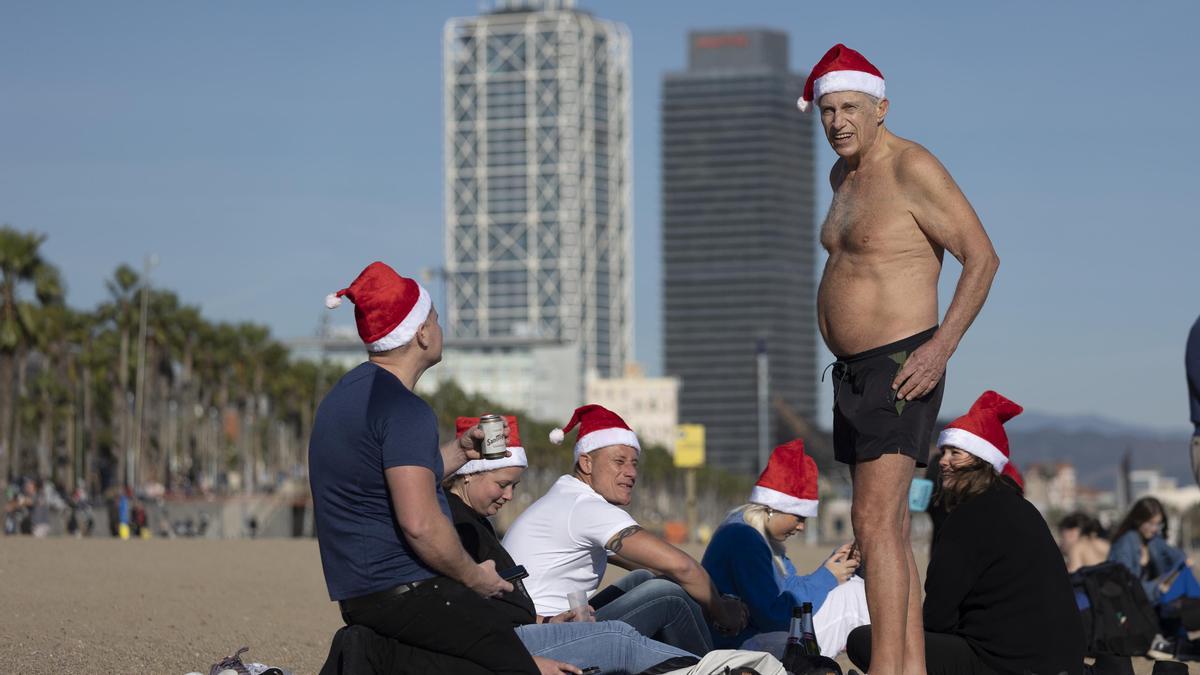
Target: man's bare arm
(647, 551)
(947, 218)
(624, 563)
(432, 535)
(454, 455)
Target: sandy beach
(173, 606)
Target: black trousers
(450, 628)
(944, 654)
(358, 650)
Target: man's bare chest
(864, 217)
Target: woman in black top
(997, 596)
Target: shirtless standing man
(895, 211)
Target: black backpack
(1120, 620)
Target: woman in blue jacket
(747, 558)
(1140, 544)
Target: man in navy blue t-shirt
(391, 556)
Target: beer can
(494, 445)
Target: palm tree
(253, 342)
(175, 332)
(81, 436)
(120, 312)
(20, 262)
(159, 387)
(216, 358)
(50, 322)
(187, 331)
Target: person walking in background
(997, 596)
(1192, 362)
(390, 554)
(895, 212)
(747, 557)
(1082, 541)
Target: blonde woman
(747, 558)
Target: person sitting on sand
(567, 538)
(747, 557)
(1140, 544)
(478, 491)
(1082, 541)
(390, 555)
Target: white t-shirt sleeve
(594, 522)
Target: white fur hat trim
(517, 458)
(403, 333)
(976, 445)
(805, 508)
(604, 438)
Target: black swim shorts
(868, 419)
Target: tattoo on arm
(618, 539)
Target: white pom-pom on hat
(556, 436)
(802, 104)
(333, 301)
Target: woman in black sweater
(997, 596)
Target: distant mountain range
(1096, 444)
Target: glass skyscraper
(738, 200)
(537, 167)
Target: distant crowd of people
(42, 508)
(31, 507)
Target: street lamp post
(428, 274)
(763, 368)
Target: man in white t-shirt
(566, 539)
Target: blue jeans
(660, 609)
(613, 646)
(1184, 586)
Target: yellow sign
(689, 446)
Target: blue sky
(267, 150)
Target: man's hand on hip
(486, 582)
(922, 370)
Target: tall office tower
(738, 195)
(539, 246)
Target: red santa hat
(517, 457)
(789, 483)
(388, 308)
(981, 431)
(841, 69)
(1014, 475)
(599, 427)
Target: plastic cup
(578, 601)
(919, 493)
